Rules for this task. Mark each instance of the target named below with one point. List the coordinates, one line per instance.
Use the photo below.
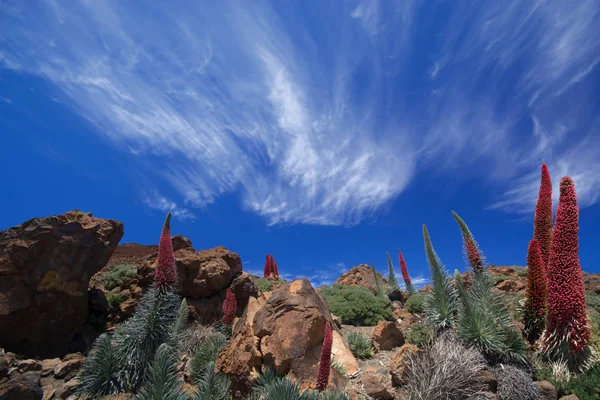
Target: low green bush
(265, 285)
(114, 300)
(522, 272)
(360, 346)
(414, 304)
(592, 300)
(420, 335)
(357, 305)
(585, 386)
(119, 276)
(500, 278)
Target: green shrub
(500, 278)
(161, 381)
(206, 353)
(335, 364)
(420, 335)
(269, 386)
(98, 375)
(265, 285)
(357, 305)
(414, 304)
(592, 300)
(360, 346)
(522, 272)
(114, 300)
(213, 385)
(119, 276)
(585, 386)
(484, 321)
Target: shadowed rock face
(45, 268)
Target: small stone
(398, 361)
(29, 365)
(488, 380)
(49, 365)
(570, 397)
(67, 369)
(374, 387)
(547, 390)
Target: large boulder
(398, 363)
(23, 387)
(285, 332)
(387, 335)
(362, 275)
(45, 268)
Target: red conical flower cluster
(472, 251)
(165, 274)
(271, 271)
(325, 363)
(409, 287)
(542, 222)
(229, 307)
(535, 296)
(567, 319)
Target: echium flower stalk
(229, 307)
(325, 363)
(268, 268)
(567, 326)
(534, 315)
(542, 221)
(392, 282)
(409, 286)
(165, 275)
(472, 251)
(275, 270)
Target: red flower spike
(567, 319)
(165, 274)
(267, 272)
(275, 271)
(405, 274)
(536, 295)
(229, 307)
(542, 222)
(325, 363)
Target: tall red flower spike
(165, 274)
(275, 271)
(405, 275)
(472, 250)
(542, 221)
(267, 272)
(325, 363)
(567, 320)
(534, 315)
(229, 307)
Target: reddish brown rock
(22, 387)
(374, 387)
(284, 331)
(387, 335)
(488, 381)
(29, 365)
(49, 365)
(510, 286)
(243, 288)
(181, 242)
(45, 268)
(362, 275)
(398, 363)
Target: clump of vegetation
(444, 371)
(420, 335)
(161, 381)
(119, 276)
(523, 272)
(592, 300)
(335, 364)
(114, 300)
(535, 304)
(415, 303)
(206, 353)
(392, 281)
(585, 386)
(270, 386)
(484, 321)
(265, 285)
(515, 384)
(360, 346)
(357, 305)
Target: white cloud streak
(322, 121)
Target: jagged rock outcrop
(45, 268)
(285, 332)
(362, 275)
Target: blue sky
(324, 133)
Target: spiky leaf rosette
(213, 385)
(567, 330)
(405, 274)
(161, 382)
(229, 307)
(325, 362)
(268, 268)
(380, 292)
(392, 282)
(441, 304)
(180, 324)
(534, 315)
(98, 375)
(542, 221)
(472, 251)
(484, 322)
(137, 339)
(165, 274)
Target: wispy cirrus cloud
(324, 120)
